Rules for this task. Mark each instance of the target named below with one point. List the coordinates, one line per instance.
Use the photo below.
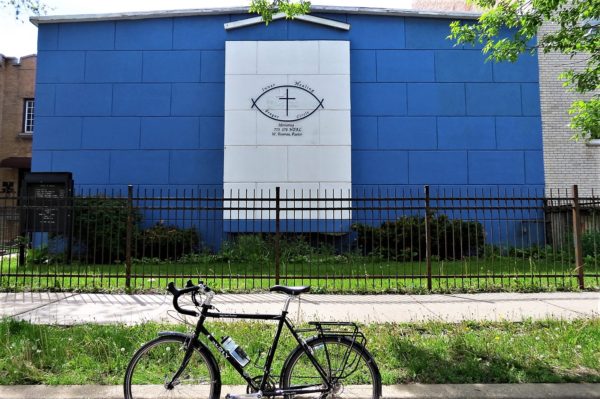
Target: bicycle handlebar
(190, 287)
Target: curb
(412, 391)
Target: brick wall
(17, 82)
(565, 162)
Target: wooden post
(428, 238)
(577, 233)
(277, 236)
(129, 237)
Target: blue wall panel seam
(53, 105)
(171, 99)
(143, 62)
(112, 99)
(406, 97)
(85, 66)
(114, 36)
(201, 56)
(404, 31)
(109, 165)
(466, 113)
(468, 168)
(437, 146)
(496, 131)
(522, 105)
(172, 34)
(377, 132)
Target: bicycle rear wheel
(154, 365)
(350, 369)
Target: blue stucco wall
(141, 102)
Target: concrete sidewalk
(73, 308)
(412, 391)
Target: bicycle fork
(189, 351)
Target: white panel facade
(287, 124)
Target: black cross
(287, 99)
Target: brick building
(566, 162)
(17, 86)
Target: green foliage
(267, 8)
(430, 353)
(577, 32)
(590, 242)
(24, 8)
(260, 248)
(404, 239)
(245, 248)
(166, 242)
(586, 118)
(100, 228)
(43, 256)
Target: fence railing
(372, 240)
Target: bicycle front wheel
(152, 369)
(349, 367)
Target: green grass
(331, 274)
(534, 352)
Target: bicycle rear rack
(347, 330)
(338, 328)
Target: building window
(28, 115)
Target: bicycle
(332, 363)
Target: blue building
(346, 100)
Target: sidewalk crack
(426, 308)
(565, 308)
(43, 305)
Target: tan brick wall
(565, 162)
(17, 82)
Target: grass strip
(359, 275)
(504, 352)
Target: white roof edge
(54, 19)
(307, 18)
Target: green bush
(245, 248)
(100, 228)
(590, 241)
(256, 248)
(43, 256)
(404, 238)
(166, 242)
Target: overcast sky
(18, 38)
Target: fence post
(129, 237)
(277, 236)
(428, 238)
(577, 233)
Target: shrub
(404, 238)
(100, 228)
(166, 242)
(293, 248)
(245, 248)
(590, 241)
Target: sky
(19, 37)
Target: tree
(267, 8)
(577, 32)
(24, 7)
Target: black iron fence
(370, 240)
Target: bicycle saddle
(290, 290)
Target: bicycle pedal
(256, 395)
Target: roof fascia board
(307, 18)
(53, 19)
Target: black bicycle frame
(282, 320)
